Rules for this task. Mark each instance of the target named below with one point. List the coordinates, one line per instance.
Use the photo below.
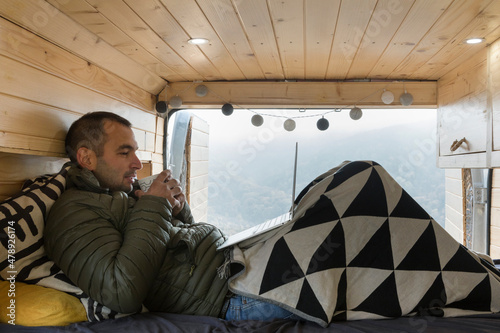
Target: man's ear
(86, 158)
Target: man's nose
(136, 163)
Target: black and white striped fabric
(359, 247)
(22, 220)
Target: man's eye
(124, 153)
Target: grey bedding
(164, 322)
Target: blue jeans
(246, 308)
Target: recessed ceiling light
(198, 41)
(474, 40)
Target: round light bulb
(227, 109)
(289, 125)
(161, 107)
(406, 99)
(201, 90)
(387, 97)
(355, 113)
(257, 120)
(323, 124)
(175, 102)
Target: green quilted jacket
(125, 253)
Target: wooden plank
(86, 15)
(39, 53)
(157, 158)
(127, 20)
(463, 107)
(462, 161)
(199, 138)
(44, 19)
(464, 56)
(168, 29)
(199, 168)
(199, 183)
(456, 50)
(452, 20)
(454, 231)
(352, 22)
(288, 24)
(495, 236)
(18, 167)
(453, 174)
(454, 200)
(199, 153)
(26, 144)
(189, 15)
(201, 125)
(303, 94)
(419, 20)
(157, 168)
(160, 126)
(453, 185)
(256, 21)
(159, 144)
(495, 252)
(496, 178)
(146, 170)
(384, 23)
(320, 23)
(494, 90)
(24, 81)
(225, 21)
(34, 119)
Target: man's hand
(166, 187)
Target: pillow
(31, 305)
(22, 220)
(22, 254)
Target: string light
(322, 124)
(257, 120)
(406, 98)
(175, 102)
(227, 109)
(355, 113)
(289, 124)
(387, 97)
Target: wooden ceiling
(146, 41)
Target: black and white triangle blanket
(360, 247)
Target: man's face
(117, 168)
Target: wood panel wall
(495, 215)
(454, 204)
(43, 89)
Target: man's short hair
(88, 132)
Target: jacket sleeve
(111, 251)
(184, 217)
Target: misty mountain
(251, 180)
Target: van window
(251, 168)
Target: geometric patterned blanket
(360, 247)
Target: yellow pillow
(32, 305)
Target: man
(126, 249)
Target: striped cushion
(22, 254)
(21, 228)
